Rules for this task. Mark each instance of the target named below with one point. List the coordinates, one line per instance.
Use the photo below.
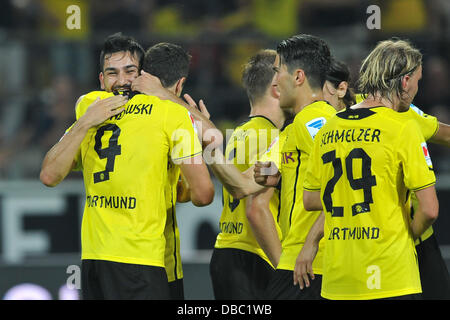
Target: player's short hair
(384, 68)
(309, 53)
(167, 61)
(337, 73)
(117, 43)
(258, 74)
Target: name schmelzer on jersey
(117, 202)
(351, 135)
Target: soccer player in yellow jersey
(302, 64)
(434, 275)
(123, 151)
(240, 268)
(364, 165)
(170, 63)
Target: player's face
(284, 82)
(119, 71)
(411, 86)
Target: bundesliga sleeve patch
(314, 126)
(426, 154)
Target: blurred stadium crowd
(45, 66)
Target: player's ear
(179, 86)
(102, 80)
(342, 89)
(405, 80)
(299, 76)
(274, 92)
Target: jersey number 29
(365, 183)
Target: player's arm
(183, 190)
(311, 200)
(442, 135)
(427, 212)
(238, 184)
(263, 224)
(303, 270)
(418, 177)
(201, 188)
(59, 160)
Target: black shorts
(433, 270)
(176, 289)
(238, 274)
(107, 280)
(281, 287)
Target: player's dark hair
(309, 53)
(258, 74)
(167, 61)
(117, 43)
(338, 73)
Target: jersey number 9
(109, 153)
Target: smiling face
(119, 71)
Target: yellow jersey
(295, 221)
(428, 126)
(247, 142)
(172, 260)
(365, 163)
(124, 162)
(273, 154)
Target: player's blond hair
(384, 68)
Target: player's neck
(270, 109)
(306, 97)
(379, 101)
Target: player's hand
(266, 174)
(201, 105)
(149, 85)
(103, 109)
(303, 271)
(209, 135)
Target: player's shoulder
(85, 100)
(417, 113)
(93, 95)
(313, 117)
(320, 110)
(259, 122)
(168, 107)
(400, 123)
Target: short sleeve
(428, 124)
(183, 139)
(314, 170)
(415, 158)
